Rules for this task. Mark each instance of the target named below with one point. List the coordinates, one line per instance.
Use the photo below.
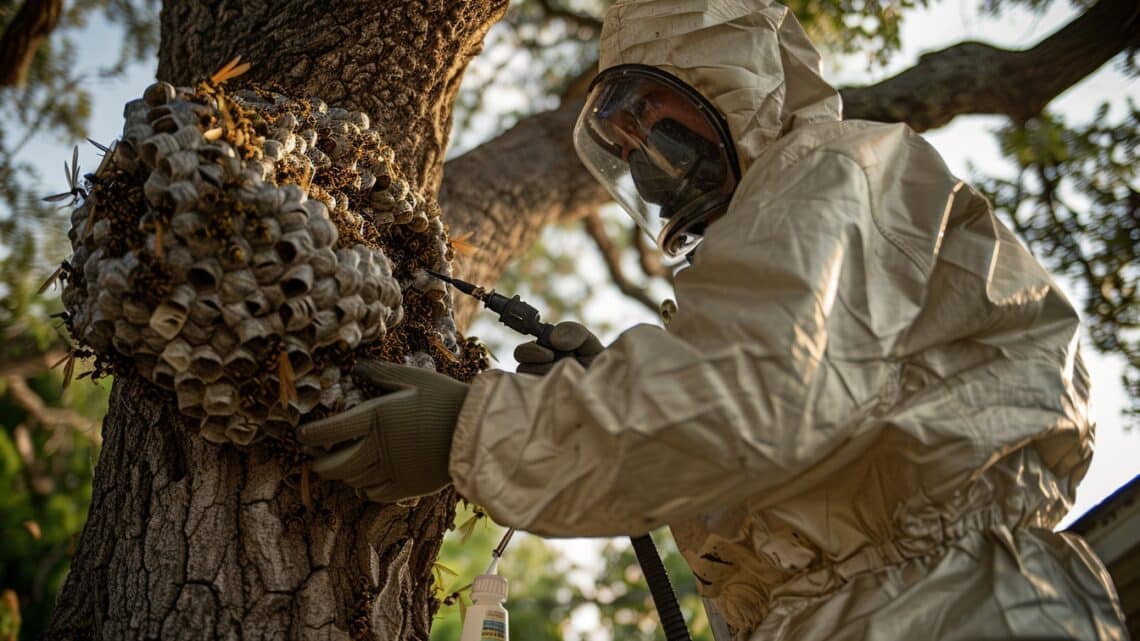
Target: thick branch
(648, 256)
(23, 37)
(582, 20)
(976, 78)
(505, 191)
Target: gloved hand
(566, 336)
(394, 446)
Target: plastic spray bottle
(486, 619)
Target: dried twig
(32, 364)
(648, 257)
(582, 20)
(612, 255)
(49, 417)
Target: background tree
(48, 443)
(184, 536)
(41, 93)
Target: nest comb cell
(220, 253)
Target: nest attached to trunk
(243, 250)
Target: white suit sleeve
(742, 394)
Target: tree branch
(31, 364)
(648, 256)
(976, 78)
(29, 27)
(506, 190)
(582, 20)
(612, 256)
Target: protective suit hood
(751, 59)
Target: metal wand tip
(461, 285)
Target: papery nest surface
(244, 249)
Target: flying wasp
(72, 173)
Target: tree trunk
(186, 539)
(189, 540)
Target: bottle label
(494, 627)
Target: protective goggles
(661, 149)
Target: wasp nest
(228, 249)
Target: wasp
(75, 192)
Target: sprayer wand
(497, 553)
(513, 312)
(524, 318)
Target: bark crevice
(186, 539)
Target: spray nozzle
(497, 553)
(494, 567)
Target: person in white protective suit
(866, 416)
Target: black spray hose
(661, 589)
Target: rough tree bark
(190, 540)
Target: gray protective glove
(395, 446)
(566, 336)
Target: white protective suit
(867, 415)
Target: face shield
(661, 149)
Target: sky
(965, 141)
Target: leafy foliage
(45, 476)
(1076, 201)
(623, 600)
(48, 444)
(871, 27)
